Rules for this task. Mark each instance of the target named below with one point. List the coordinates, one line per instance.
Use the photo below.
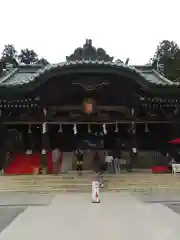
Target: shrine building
(89, 98)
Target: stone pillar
(29, 141)
(44, 146)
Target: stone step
(89, 189)
(86, 178)
(84, 183)
(50, 183)
(71, 183)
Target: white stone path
(73, 216)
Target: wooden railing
(144, 159)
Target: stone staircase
(143, 182)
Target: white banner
(95, 192)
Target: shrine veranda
(88, 98)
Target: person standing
(109, 162)
(80, 159)
(56, 155)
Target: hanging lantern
(146, 128)
(116, 129)
(89, 128)
(60, 128)
(75, 129)
(104, 129)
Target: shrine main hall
(89, 100)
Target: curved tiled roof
(59, 66)
(28, 77)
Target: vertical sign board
(95, 192)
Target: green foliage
(168, 55)
(28, 56)
(43, 61)
(9, 53)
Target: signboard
(88, 106)
(95, 192)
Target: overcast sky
(54, 28)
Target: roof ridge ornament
(89, 53)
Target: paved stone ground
(13, 204)
(169, 200)
(24, 199)
(73, 216)
(7, 215)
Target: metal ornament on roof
(89, 53)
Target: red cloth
(27, 164)
(175, 141)
(160, 169)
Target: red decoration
(96, 195)
(175, 141)
(88, 106)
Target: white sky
(54, 28)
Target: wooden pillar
(133, 144)
(45, 145)
(29, 141)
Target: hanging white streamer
(75, 129)
(104, 129)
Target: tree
(43, 61)
(167, 55)
(28, 56)
(9, 55)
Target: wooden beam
(92, 123)
(99, 107)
